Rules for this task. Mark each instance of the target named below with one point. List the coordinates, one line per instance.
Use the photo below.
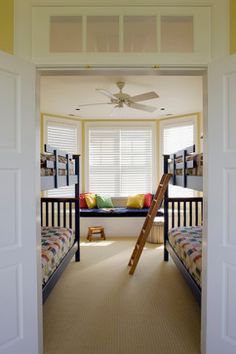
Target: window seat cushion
(116, 212)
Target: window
(65, 34)
(177, 34)
(140, 34)
(103, 33)
(120, 159)
(177, 134)
(64, 136)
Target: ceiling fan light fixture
(122, 99)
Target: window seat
(116, 212)
(122, 222)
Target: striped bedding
(187, 243)
(44, 171)
(56, 242)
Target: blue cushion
(116, 212)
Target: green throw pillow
(104, 201)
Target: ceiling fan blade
(142, 107)
(107, 93)
(93, 104)
(145, 96)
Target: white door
(219, 283)
(20, 302)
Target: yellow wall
(232, 26)
(7, 26)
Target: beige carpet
(98, 308)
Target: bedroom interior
(123, 309)
(68, 90)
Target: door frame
(202, 71)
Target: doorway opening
(70, 96)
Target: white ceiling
(63, 94)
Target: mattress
(45, 171)
(187, 243)
(56, 242)
(196, 170)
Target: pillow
(135, 201)
(82, 201)
(147, 200)
(91, 200)
(104, 201)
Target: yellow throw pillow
(135, 201)
(91, 201)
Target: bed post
(166, 215)
(77, 208)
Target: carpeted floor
(98, 308)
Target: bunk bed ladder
(156, 203)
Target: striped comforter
(187, 243)
(56, 242)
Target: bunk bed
(60, 228)
(183, 217)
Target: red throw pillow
(83, 204)
(147, 200)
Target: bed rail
(178, 164)
(181, 212)
(62, 212)
(57, 181)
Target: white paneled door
(20, 302)
(219, 292)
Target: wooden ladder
(155, 205)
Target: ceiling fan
(122, 99)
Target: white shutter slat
(64, 138)
(120, 160)
(177, 137)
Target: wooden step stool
(95, 230)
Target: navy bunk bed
(58, 169)
(186, 169)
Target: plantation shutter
(120, 160)
(63, 137)
(177, 137)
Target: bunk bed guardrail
(180, 162)
(58, 169)
(56, 181)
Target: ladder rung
(148, 222)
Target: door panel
(20, 300)
(219, 284)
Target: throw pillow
(82, 201)
(147, 200)
(91, 200)
(135, 201)
(104, 201)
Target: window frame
(114, 125)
